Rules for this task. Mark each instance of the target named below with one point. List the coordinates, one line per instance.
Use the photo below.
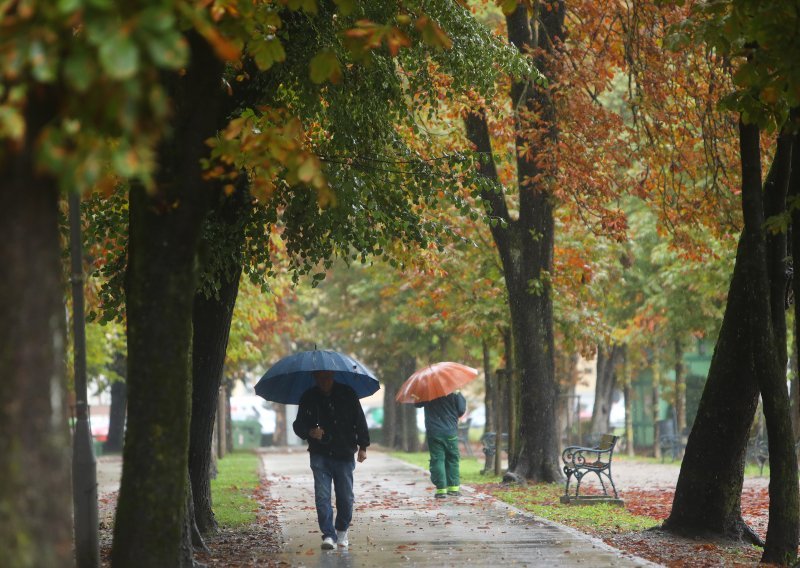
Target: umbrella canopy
(434, 381)
(289, 378)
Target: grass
(542, 499)
(232, 490)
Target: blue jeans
(327, 469)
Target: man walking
(441, 430)
(330, 417)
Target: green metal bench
(580, 461)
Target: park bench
(580, 461)
(489, 441)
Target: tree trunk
(746, 357)
(626, 391)
(656, 366)
(490, 386)
(211, 318)
(390, 408)
(280, 438)
(407, 366)
(35, 493)
(784, 504)
(526, 246)
(116, 417)
(212, 315)
(680, 389)
(607, 361)
(229, 419)
(164, 233)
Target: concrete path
(398, 522)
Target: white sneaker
(327, 543)
(341, 539)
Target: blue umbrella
(289, 378)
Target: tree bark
(656, 367)
(607, 360)
(490, 381)
(116, 417)
(212, 315)
(745, 359)
(390, 409)
(35, 493)
(160, 284)
(680, 388)
(526, 246)
(407, 365)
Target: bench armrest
(580, 456)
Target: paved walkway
(397, 522)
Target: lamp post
(84, 465)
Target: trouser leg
(343, 487)
(322, 495)
(436, 448)
(452, 459)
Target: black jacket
(339, 414)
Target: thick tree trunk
(116, 417)
(164, 233)
(608, 358)
(746, 357)
(211, 319)
(784, 504)
(35, 493)
(212, 315)
(526, 246)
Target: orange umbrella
(434, 381)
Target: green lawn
(232, 490)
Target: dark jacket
(442, 414)
(339, 414)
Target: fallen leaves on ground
(671, 550)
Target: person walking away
(441, 430)
(330, 417)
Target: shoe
(342, 539)
(454, 493)
(440, 495)
(328, 544)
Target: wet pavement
(398, 522)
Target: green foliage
(232, 490)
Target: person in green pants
(441, 428)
